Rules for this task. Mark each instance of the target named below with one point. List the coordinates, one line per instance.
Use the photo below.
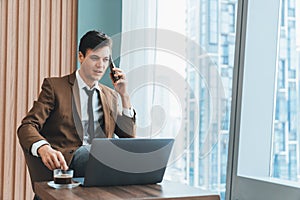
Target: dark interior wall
(104, 15)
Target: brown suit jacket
(55, 117)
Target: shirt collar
(82, 84)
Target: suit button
(72, 151)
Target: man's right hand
(51, 158)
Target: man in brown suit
(57, 130)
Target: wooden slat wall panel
(37, 40)
(21, 108)
(3, 24)
(9, 88)
(45, 40)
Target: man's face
(94, 64)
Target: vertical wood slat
(3, 25)
(37, 40)
(64, 37)
(73, 26)
(45, 39)
(22, 63)
(10, 87)
(33, 86)
(55, 31)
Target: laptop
(126, 161)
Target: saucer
(60, 186)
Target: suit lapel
(75, 90)
(106, 111)
(76, 109)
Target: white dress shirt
(84, 106)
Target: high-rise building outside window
(204, 71)
(216, 35)
(286, 134)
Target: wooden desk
(164, 190)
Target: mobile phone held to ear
(111, 66)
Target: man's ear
(80, 57)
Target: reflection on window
(285, 162)
(216, 34)
(207, 79)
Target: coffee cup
(62, 176)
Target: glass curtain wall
(183, 81)
(285, 163)
(212, 24)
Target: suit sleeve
(125, 126)
(29, 130)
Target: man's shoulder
(107, 90)
(61, 79)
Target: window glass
(211, 24)
(285, 163)
(261, 140)
(219, 43)
(198, 115)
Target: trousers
(79, 161)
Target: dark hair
(94, 40)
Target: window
(213, 22)
(264, 136)
(287, 106)
(281, 74)
(291, 8)
(192, 86)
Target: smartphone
(111, 66)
